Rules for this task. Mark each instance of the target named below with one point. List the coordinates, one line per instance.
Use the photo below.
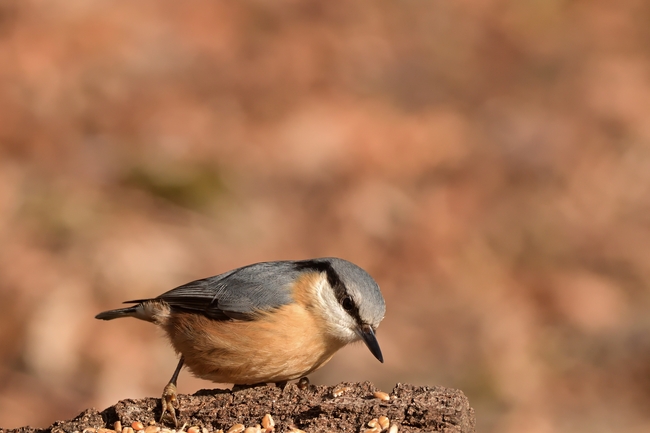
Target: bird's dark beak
(370, 339)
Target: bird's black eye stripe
(334, 280)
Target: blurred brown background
(488, 162)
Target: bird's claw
(303, 383)
(168, 399)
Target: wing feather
(237, 294)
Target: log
(347, 407)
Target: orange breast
(286, 344)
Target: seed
(90, 430)
(117, 426)
(382, 396)
(237, 428)
(267, 421)
(105, 430)
(373, 430)
(166, 430)
(384, 422)
(393, 428)
(374, 423)
(151, 429)
(296, 430)
(127, 430)
(137, 425)
(338, 391)
(205, 430)
(303, 383)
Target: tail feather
(150, 310)
(116, 314)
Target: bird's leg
(169, 395)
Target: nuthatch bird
(266, 322)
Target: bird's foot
(168, 398)
(303, 383)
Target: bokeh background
(488, 162)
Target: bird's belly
(285, 345)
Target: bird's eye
(347, 303)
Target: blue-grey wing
(237, 294)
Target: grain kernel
(393, 428)
(193, 429)
(373, 430)
(152, 429)
(127, 430)
(373, 423)
(205, 430)
(296, 430)
(267, 421)
(382, 396)
(166, 430)
(338, 391)
(90, 430)
(117, 426)
(237, 428)
(137, 425)
(384, 422)
(105, 430)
